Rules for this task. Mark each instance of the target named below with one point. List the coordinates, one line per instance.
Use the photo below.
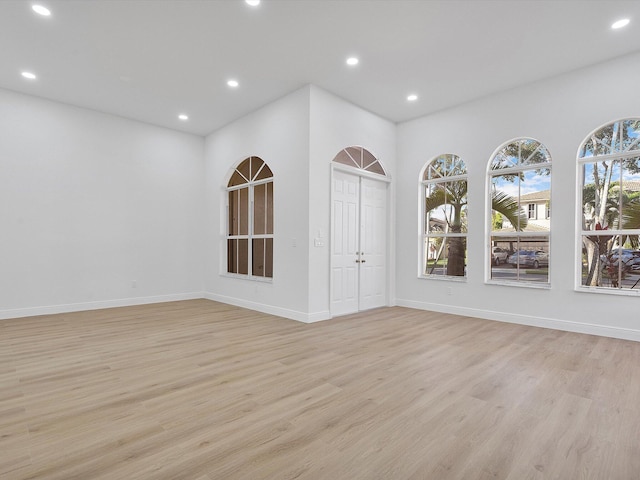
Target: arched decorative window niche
(250, 219)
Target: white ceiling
(152, 59)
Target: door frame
(375, 177)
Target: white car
(498, 255)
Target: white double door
(358, 243)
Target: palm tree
(452, 198)
(602, 212)
(612, 152)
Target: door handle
(361, 261)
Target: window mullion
(250, 231)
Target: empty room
(319, 239)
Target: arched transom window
(359, 158)
(250, 219)
(609, 172)
(519, 176)
(444, 232)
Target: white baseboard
(578, 327)
(270, 309)
(553, 323)
(78, 307)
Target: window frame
(250, 236)
(491, 234)
(424, 232)
(615, 158)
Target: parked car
(529, 258)
(498, 255)
(630, 259)
(626, 255)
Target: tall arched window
(444, 232)
(250, 219)
(519, 176)
(609, 172)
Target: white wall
(279, 134)
(335, 125)
(560, 113)
(297, 136)
(90, 203)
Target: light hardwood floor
(205, 391)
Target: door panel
(373, 244)
(344, 243)
(358, 243)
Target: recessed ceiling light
(352, 61)
(233, 83)
(29, 75)
(620, 23)
(252, 3)
(412, 98)
(40, 10)
(183, 117)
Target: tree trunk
(455, 263)
(456, 254)
(594, 268)
(595, 245)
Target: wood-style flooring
(205, 391)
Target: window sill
(238, 276)
(609, 291)
(443, 277)
(519, 284)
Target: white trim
(250, 236)
(520, 283)
(359, 172)
(356, 165)
(423, 233)
(488, 227)
(625, 292)
(581, 162)
(578, 219)
(609, 156)
(543, 322)
(253, 183)
(511, 170)
(80, 307)
(270, 309)
(242, 276)
(446, 278)
(450, 179)
(356, 172)
(597, 129)
(522, 233)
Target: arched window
(359, 158)
(250, 219)
(519, 176)
(444, 230)
(609, 172)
